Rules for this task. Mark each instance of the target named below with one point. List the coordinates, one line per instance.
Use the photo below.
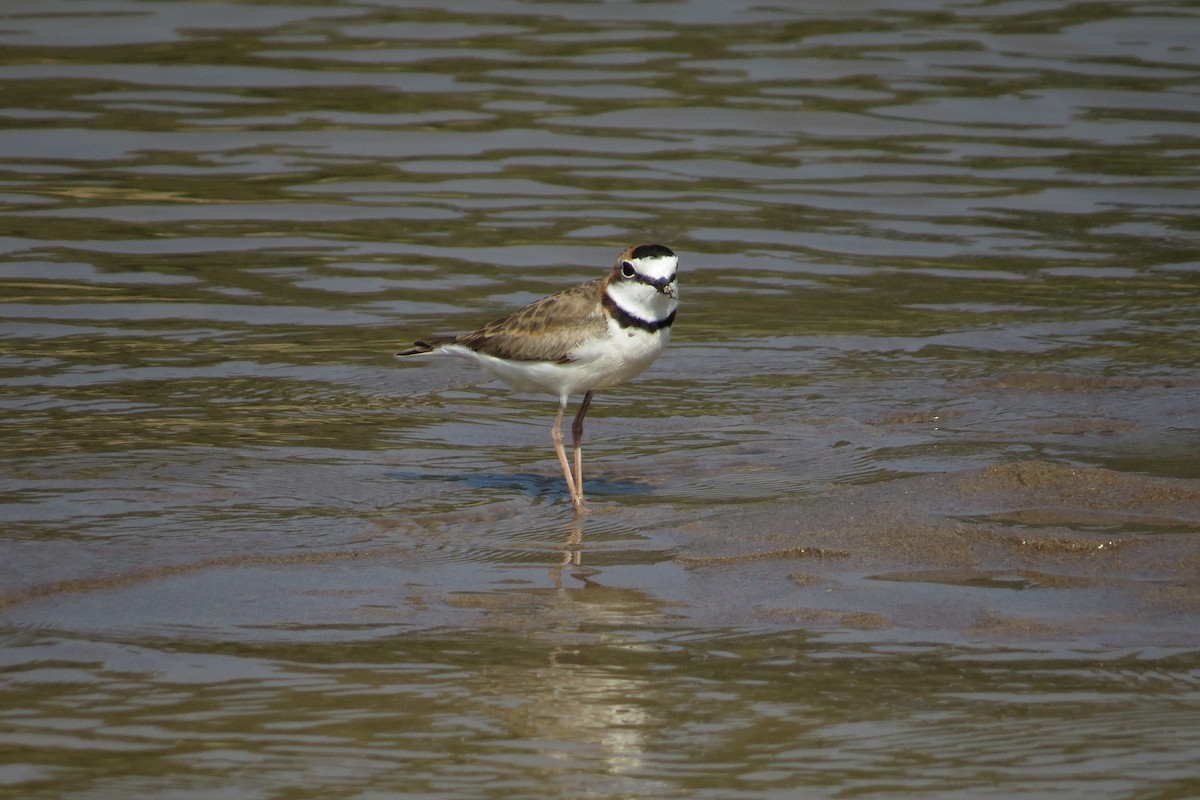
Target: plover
(596, 335)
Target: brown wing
(547, 330)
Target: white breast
(622, 355)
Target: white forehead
(655, 267)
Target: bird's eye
(627, 270)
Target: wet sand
(1028, 551)
(1025, 550)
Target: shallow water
(910, 505)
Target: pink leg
(577, 440)
(557, 437)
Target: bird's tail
(426, 346)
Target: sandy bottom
(1017, 552)
(1026, 550)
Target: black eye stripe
(629, 272)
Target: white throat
(642, 301)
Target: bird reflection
(572, 553)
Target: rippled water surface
(911, 505)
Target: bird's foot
(580, 508)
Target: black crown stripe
(651, 251)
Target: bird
(583, 339)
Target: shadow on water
(546, 487)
